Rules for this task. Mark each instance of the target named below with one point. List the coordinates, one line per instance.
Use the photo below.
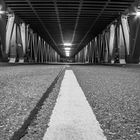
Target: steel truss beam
(22, 44)
(75, 17)
(112, 46)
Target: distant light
(67, 49)
(137, 13)
(67, 44)
(67, 55)
(67, 52)
(2, 12)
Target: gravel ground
(20, 89)
(114, 95)
(39, 125)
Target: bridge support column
(19, 43)
(3, 55)
(15, 40)
(134, 56)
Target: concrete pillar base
(21, 61)
(12, 60)
(122, 61)
(112, 61)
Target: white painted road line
(72, 117)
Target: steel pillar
(13, 45)
(9, 31)
(19, 43)
(126, 36)
(118, 43)
(3, 55)
(134, 39)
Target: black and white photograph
(69, 69)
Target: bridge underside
(106, 31)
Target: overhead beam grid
(74, 21)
